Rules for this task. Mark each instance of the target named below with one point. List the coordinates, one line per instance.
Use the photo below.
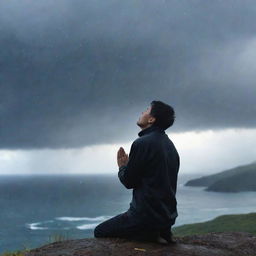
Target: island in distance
(238, 179)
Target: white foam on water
(33, 226)
(100, 218)
(88, 226)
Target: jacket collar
(149, 129)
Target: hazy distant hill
(241, 178)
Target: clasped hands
(122, 157)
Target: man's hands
(122, 157)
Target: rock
(211, 244)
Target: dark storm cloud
(74, 73)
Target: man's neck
(149, 129)
(143, 128)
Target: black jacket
(152, 172)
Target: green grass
(58, 237)
(52, 238)
(15, 253)
(223, 223)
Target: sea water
(35, 210)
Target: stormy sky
(76, 75)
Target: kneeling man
(151, 170)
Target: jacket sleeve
(130, 175)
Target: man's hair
(163, 113)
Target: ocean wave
(34, 226)
(88, 226)
(100, 218)
(57, 225)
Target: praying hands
(122, 157)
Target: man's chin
(138, 123)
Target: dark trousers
(126, 225)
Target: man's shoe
(161, 237)
(165, 237)
(161, 240)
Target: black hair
(163, 113)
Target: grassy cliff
(223, 223)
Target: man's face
(145, 119)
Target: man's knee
(98, 231)
(113, 227)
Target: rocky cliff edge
(211, 244)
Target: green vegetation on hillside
(223, 223)
(16, 253)
(52, 238)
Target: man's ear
(152, 120)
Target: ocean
(38, 208)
